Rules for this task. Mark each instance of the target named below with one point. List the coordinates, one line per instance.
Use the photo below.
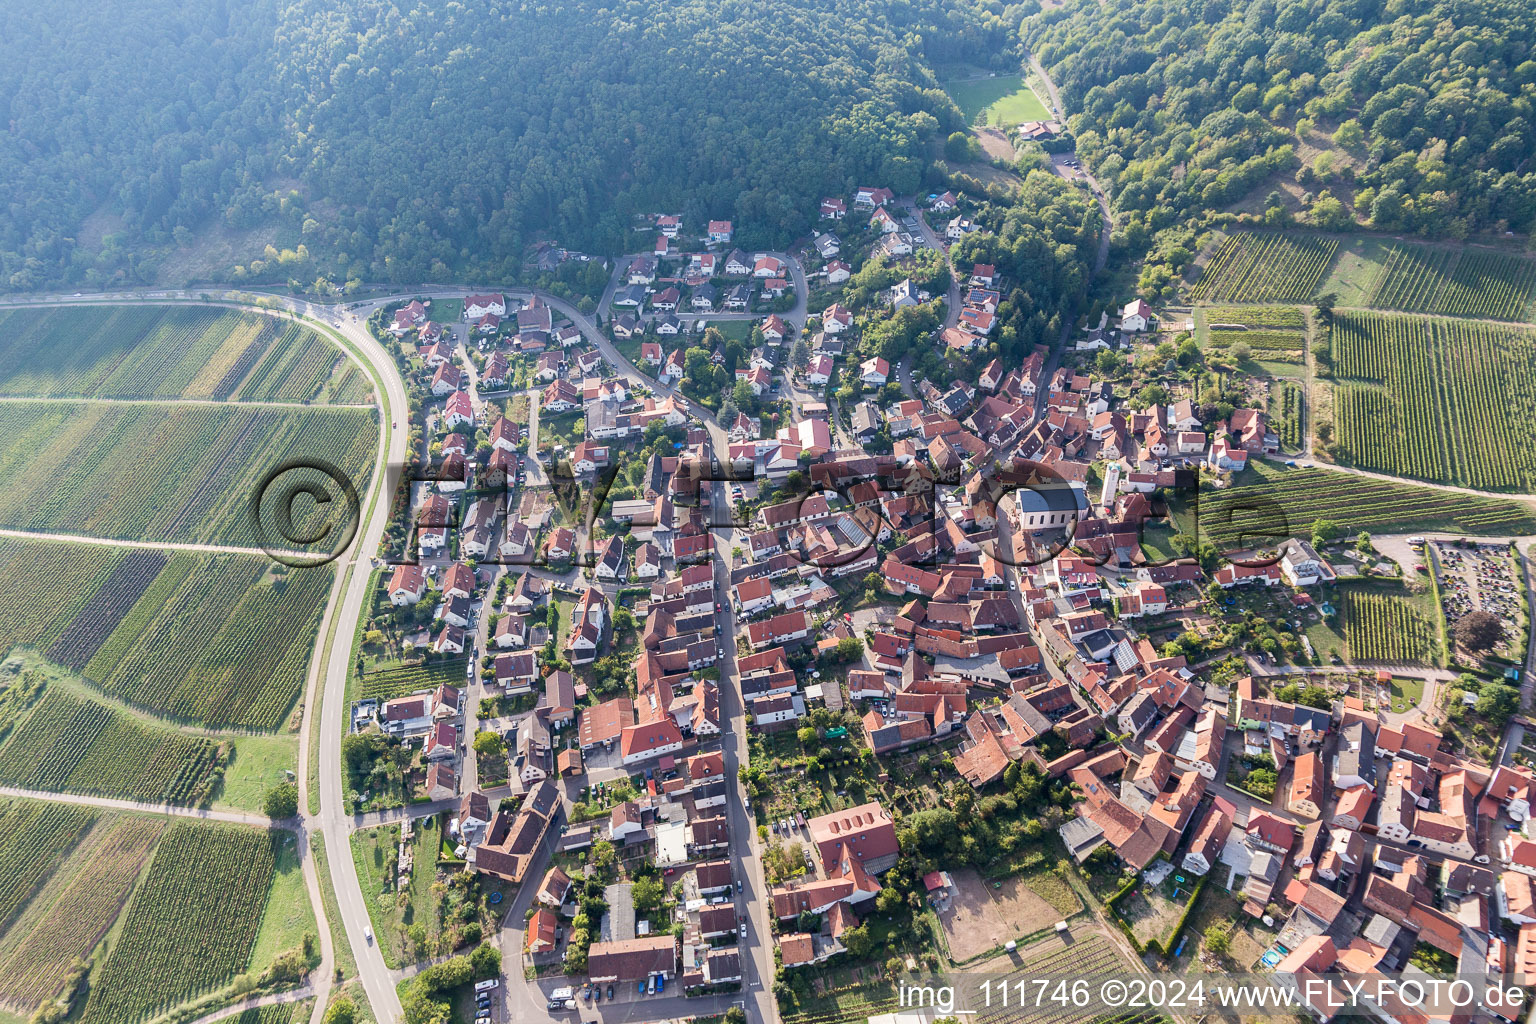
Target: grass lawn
(289, 915)
(1407, 691)
(1249, 937)
(1275, 368)
(741, 330)
(259, 764)
(1356, 270)
(447, 311)
(1006, 99)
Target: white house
(1135, 317)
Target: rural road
(115, 804)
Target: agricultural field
(1271, 501)
(1455, 282)
(223, 640)
(73, 910)
(1444, 400)
(206, 891)
(1006, 101)
(35, 837)
(1285, 410)
(1250, 267)
(69, 744)
(1385, 628)
(217, 639)
(197, 352)
(1090, 957)
(1284, 318)
(162, 472)
(397, 682)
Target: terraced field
(1436, 399)
(162, 472)
(192, 924)
(68, 915)
(216, 639)
(160, 352)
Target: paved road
(1070, 173)
(335, 821)
(935, 242)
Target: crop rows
(1456, 404)
(1383, 628)
(1269, 341)
(294, 367)
(72, 913)
(89, 629)
(149, 472)
(1288, 504)
(1488, 285)
(1285, 317)
(1265, 268)
(145, 351)
(77, 746)
(217, 639)
(1091, 959)
(193, 923)
(276, 1013)
(350, 385)
(34, 838)
(397, 682)
(44, 584)
(1285, 414)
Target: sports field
(1006, 99)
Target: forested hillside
(1407, 115)
(414, 141)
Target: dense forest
(1407, 115)
(402, 142)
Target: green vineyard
(34, 839)
(1287, 502)
(160, 352)
(66, 744)
(1285, 410)
(71, 913)
(162, 472)
(1455, 282)
(1264, 268)
(1442, 400)
(220, 640)
(192, 924)
(1284, 317)
(1383, 628)
(397, 682)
